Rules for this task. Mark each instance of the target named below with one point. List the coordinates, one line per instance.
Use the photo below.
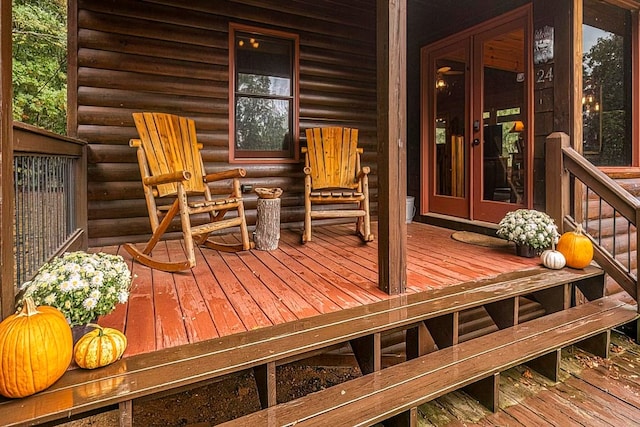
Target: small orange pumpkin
(35, 349)
(576, 248)
(100, 347)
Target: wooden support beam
(392, 145)
(418, 341)
(504, 313)
(556, 178)
(125, 413)
(554, 299)
(405, 419)
(7, 202)
(265, 376)
(368, 353)
(547, 365)
(598, 345)
(486, 391)
(444, 329)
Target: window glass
(264, 96)
(606, 97)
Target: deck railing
(606, 211)
(50, 198)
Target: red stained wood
(225, 319)
(248, 310)
(284, 292)
(195, 314)
(317, 299)
(227, 293)
(140, 326)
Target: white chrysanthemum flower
(90, 303)
(66, 286)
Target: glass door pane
(504, 145)
(449, 140)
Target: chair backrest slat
(332, 156)
(170, 145)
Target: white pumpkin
(553, 259)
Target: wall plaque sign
(543, 45)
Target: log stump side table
(267, 232)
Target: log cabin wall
(172, 56)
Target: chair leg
(306, 235)
(367, 235)
(186, 226)
(244, 232)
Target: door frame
(524, 15)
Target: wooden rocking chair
(171, 167)
(333, 176)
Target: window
(264, 101)
(607, 84)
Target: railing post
(556, 178)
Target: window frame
(293, 154)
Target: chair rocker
(333, 176)
(171, 168)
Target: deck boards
(592, 392)
(227, 293)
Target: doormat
(480, 239)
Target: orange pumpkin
(576, 248)
(35, 349)
(100, 347)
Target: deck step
(263, 349)
(476, 364)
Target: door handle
(476, 141)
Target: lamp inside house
(518, 127)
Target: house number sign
(544, 74)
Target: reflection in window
(606, 98)
(264, 96)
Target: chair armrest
(364, 172)
(307, 170)
(231, 173)
(167, 178)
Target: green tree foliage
(40, 63)
(605, 133)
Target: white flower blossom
(82, 286)
(529, 227)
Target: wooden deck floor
(230, 293)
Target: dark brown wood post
(7, 289)
(556, 178)
(392, 145)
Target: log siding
(172, 56)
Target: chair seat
(337, 193)
(206, 203)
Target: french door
(476, 127)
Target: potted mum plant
(81, 285)
(532, 231)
